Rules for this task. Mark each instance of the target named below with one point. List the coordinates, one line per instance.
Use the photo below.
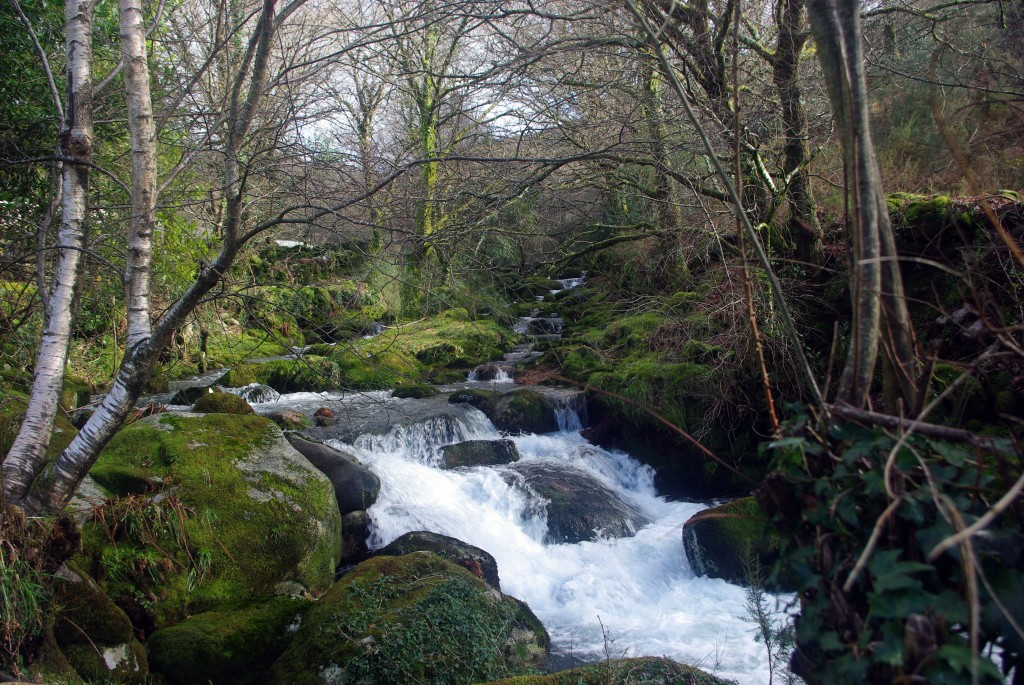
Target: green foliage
(23, 599)
(910, 610)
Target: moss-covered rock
(637, 671)
(523, 411)
(479, 453)
(477, 561)
(124, 663)
(416, 391)
(720, 542)
(75, 393)
(212, 508)
(519, 411)
(235, 646)
(474, 397)
(222, 403)
(414, 618)
(92, 632)
(405, 355)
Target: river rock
(227, 510)
(410, 619)
(236, 646)
(579, 507)
(355, 531)
(519, 411)
(355, 486)
(477, 561)
(722, 541)
(188, 396)
(479, 453)
(256, 393)
(288, 419)
(222, 403)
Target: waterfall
(572, 413)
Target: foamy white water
(640, 589)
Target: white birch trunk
(60, 483)
(28, 452)
(143, 143)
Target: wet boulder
(721, 542)
(477, 561)
(188, 396)
(579, 506)
(414, 618)
(519, 411)
(355, 486)
(479, 453)
(256, 393)
(236, 646)
(355, 531)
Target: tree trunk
(28, 452)
(876, 283)
(804, 228)
(143, 144)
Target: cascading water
(633, 595)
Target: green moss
(235, 646)
(238, 518)
(409, 353)
(222, 403)
(637, 671)
(415, 618)
(416, 391)
(720, 541)
(84, 613)
(128, 660)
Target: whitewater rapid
(632, 596)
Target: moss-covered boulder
(235, 646)
(477, 561)
(94, 634)
(479, 453)
(637, 671)
(579, 506)
(416, 391)
(474, 397)
(355, 486)
(211, 508)
(414, 618)
(523, 411)
(519, 411)
(76, 392)
(222, 403)
(406, 354)
(722, 541)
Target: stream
(605, 598)
(629, 596)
